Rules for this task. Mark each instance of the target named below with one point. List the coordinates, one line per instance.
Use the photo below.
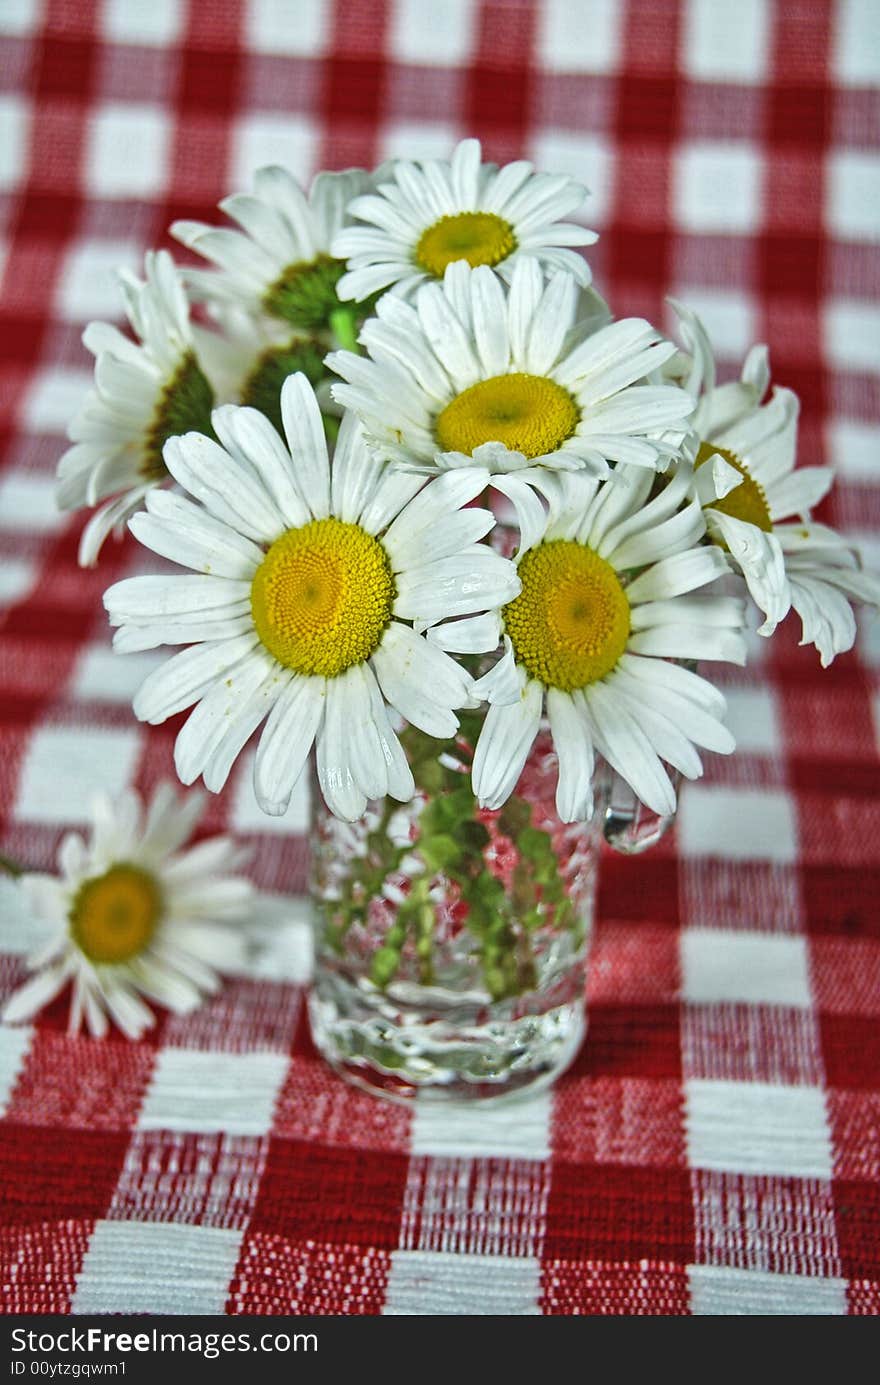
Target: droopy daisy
(134, 916)
(474, 363)
(305, 581)
(144, 393)
(607, 599)
(748, 482)
(432, 214)
(279, 262)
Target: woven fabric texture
(716, 1147)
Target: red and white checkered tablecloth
(716, 1147)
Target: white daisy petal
(490, 321)
(402, 687)
(683, 572)
(401, 784)
(356, 471)
(800, 491)
(759, 558)
(143, 598)
(250, 438)
(531, 516)
(228, 492)
(827, 620)
(627, 748)
(444, 496)
(304, 431)
(285, 743)
(35, 993)
(666, 738)
(574, 748)
(335, 776)
(139, 386)
(503, 682)
(250, 712)
(506, 738)
(175, 528)
(473, 580)
(690, 642)
(206, 726)
(367, 753)
(475, 635)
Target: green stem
(343, 324)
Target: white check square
(128, 148)
(246, 815)
(857, 42)
(852, 196)
(199, 1090)
(53, 398)
(266, 138)
(102, 676)
(295, 28)
(442, 40)
(737, 823)
(17, 577)
(88, 286)
(586, 156)
(14, 125)
(14, 1044)
(156, 1267)
(27, 501)
(418, 139)
(718, 1290)
(727, 43)
(65, 765)
(441, 1283)
(717, 187)
(520, 1131)
(852, 334)
(579, 35)
(722, 966)
(757, 1127)
(855, 449)
(155, 24)
(753, 718)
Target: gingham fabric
(716, 1147)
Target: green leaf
(535, 844)
(439, 852)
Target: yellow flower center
(322, 597)
(570, 623)
(528, 413)
(478, 237)
(113, 917)
(747, 501)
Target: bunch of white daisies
(373, 373)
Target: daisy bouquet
(457, 535)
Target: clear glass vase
(451, 942)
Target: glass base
(465, 1056)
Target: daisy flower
(305, 583)
(607, 600)
(145, 392)
(134, 916)
(757, 503)
(474, 363)
(280, 261)
(433, 214)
